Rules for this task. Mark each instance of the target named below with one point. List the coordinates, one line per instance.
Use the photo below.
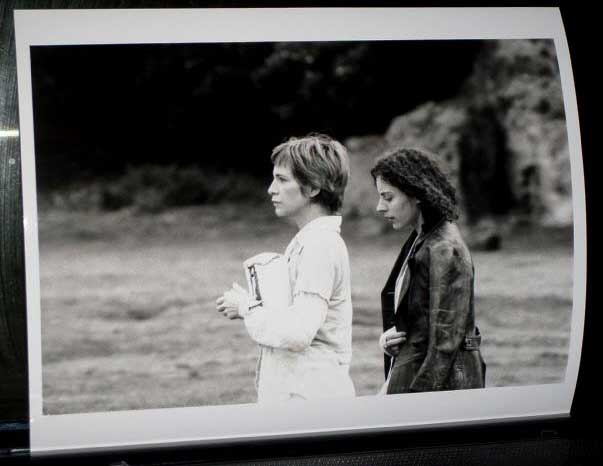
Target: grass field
(128, 316)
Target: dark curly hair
(416, 174)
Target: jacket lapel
(409, 251)
(388, 306)
(387, 295)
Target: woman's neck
(307, 215)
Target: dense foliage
(100, 109)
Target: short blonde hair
(317, 162)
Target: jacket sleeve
(450, 282)
(293, 328)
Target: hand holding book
(234, 303)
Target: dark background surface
(182, 103)
(573, 441)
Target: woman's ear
(311, 192)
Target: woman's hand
(233, 303)
(391, 340)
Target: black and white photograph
(276, 222)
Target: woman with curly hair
(430, 341)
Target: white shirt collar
(324, 223)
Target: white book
(268, 279)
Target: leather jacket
(441, 351)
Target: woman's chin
(401, 227)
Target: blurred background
(152, 163)
(156, 126)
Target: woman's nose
(271, 190)
(380, 207)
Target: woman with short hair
(430, 340)
(306, 348)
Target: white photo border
(214, 424)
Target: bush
(152, 188)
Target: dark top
(441, 351)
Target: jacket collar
(429, 231)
